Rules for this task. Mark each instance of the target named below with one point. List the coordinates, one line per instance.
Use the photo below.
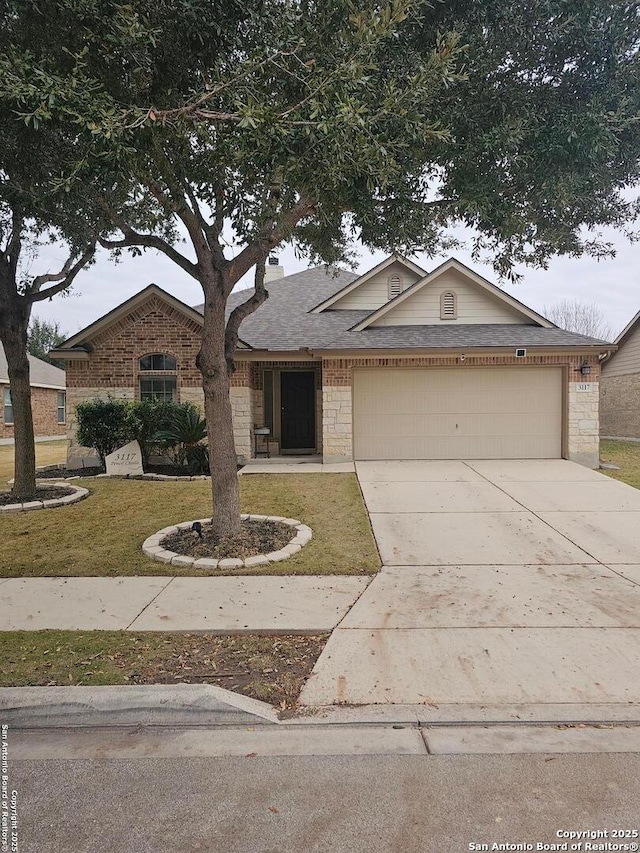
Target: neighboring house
(397, 363)
(620, 386)
(48, 393)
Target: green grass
(103, 534)
(626, 455)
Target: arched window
(163, 385)
(394, 285)
(448, 305)
(158, 361)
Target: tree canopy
(395, 120)
(42, 336)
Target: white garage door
(463, 413)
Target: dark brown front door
(298, 410)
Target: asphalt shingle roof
(41, 372)
(283, 323)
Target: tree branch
(150, 241)
(261, 247)
(64, 278)
(239, 313)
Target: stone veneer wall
(44, 404)
(620, 406)
(582, 409)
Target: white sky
(614, 285)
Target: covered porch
(277, 409)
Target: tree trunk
(217, 406)
(14, 320)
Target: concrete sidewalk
(265, 604)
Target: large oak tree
(325, 122)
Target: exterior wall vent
(395, 286)
(448, 305)
(521, 353)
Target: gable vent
(448, 306)
(395, 285)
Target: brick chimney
(273, 269)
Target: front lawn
(626, 455)
(272, 669)
(47, 453)
(103, 534)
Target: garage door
(464, 413)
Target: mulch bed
(258, 537)
(272, 669)
(43, 493)
(52, 472)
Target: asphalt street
(321, 804)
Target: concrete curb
(152, 546)
(124, 705)
(79, 495)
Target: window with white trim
(62, 407)
(8, 406)
(394, 285)
(448, 305)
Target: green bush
(164, 427)
(103, 425)
(146, 419)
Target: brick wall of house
(116, 351)
(582, 406)
(44, 403)
(620, 406)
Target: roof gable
(481, 302)
(121, 311)
(78, 341)
(370, 290)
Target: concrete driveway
(505, 584)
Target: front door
(298, 410)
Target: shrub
(183, 439)
(146, 419)
(103, 425)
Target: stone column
(583, 421)
(337, 424)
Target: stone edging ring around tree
(152, 546)
(79, 494)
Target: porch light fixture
(585, 369)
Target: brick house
(48, 398)
(620, 386)
(397, 363)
